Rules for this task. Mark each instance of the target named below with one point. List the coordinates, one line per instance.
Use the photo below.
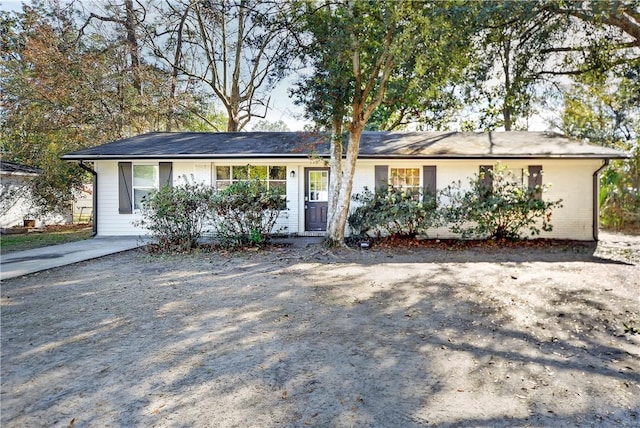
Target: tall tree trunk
(132, 41)
(336, 228)
(175, 70)
(506, 69)
(506, 116)
(335, 165)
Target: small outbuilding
(127, 169)
(15, 197)
(16, 200)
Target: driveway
(21, 263)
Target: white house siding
(571, 181)
(16, 210)
(112, 223)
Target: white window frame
(268, 179)
(156, 185)
(400, 181)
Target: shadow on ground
(324, 338)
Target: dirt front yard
(310, 337)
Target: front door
(316, 198)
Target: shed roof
(398, 145)
(12, 168)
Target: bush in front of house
(245, 213)
(176, 216)
(504, 209)
(393, 211)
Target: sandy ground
(308, 337)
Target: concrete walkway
(20, 263)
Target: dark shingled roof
(15, 168)
(399, 145)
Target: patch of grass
(29, 241)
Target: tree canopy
(76, 74)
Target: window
(318, 186)
(515, 175)
(145, 180)
(275, 176)
(407, 179)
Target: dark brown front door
(316, 198)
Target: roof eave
(188, 156)
(496, 157)
(72, 157)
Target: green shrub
(393, 211)
(176, 216)
(245, 213)
(620, 192)
(503, 210)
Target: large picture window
(145, 180)
(274, 176)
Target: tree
(510, 53)
(265, 125)
(129, 20)
(238, 49)
(48, 104)
(64, 89)
(621, 15)
(523, 54)
(150, 97)
(606, 110)
(367, 54)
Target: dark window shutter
(535, 179)
(382, 177)
(166, 174)
(487, 180)
(124, 187)
(429, 179)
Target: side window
(278, 180)
(145, 180)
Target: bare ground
(309, 337)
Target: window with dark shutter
(381, 177)
(429, 179)
(486, 178)
(535, 179)
(124, 188)
(166, 174)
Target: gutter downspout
(95, 196)
(596, 199)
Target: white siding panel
(110, 221)
(570, 180)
